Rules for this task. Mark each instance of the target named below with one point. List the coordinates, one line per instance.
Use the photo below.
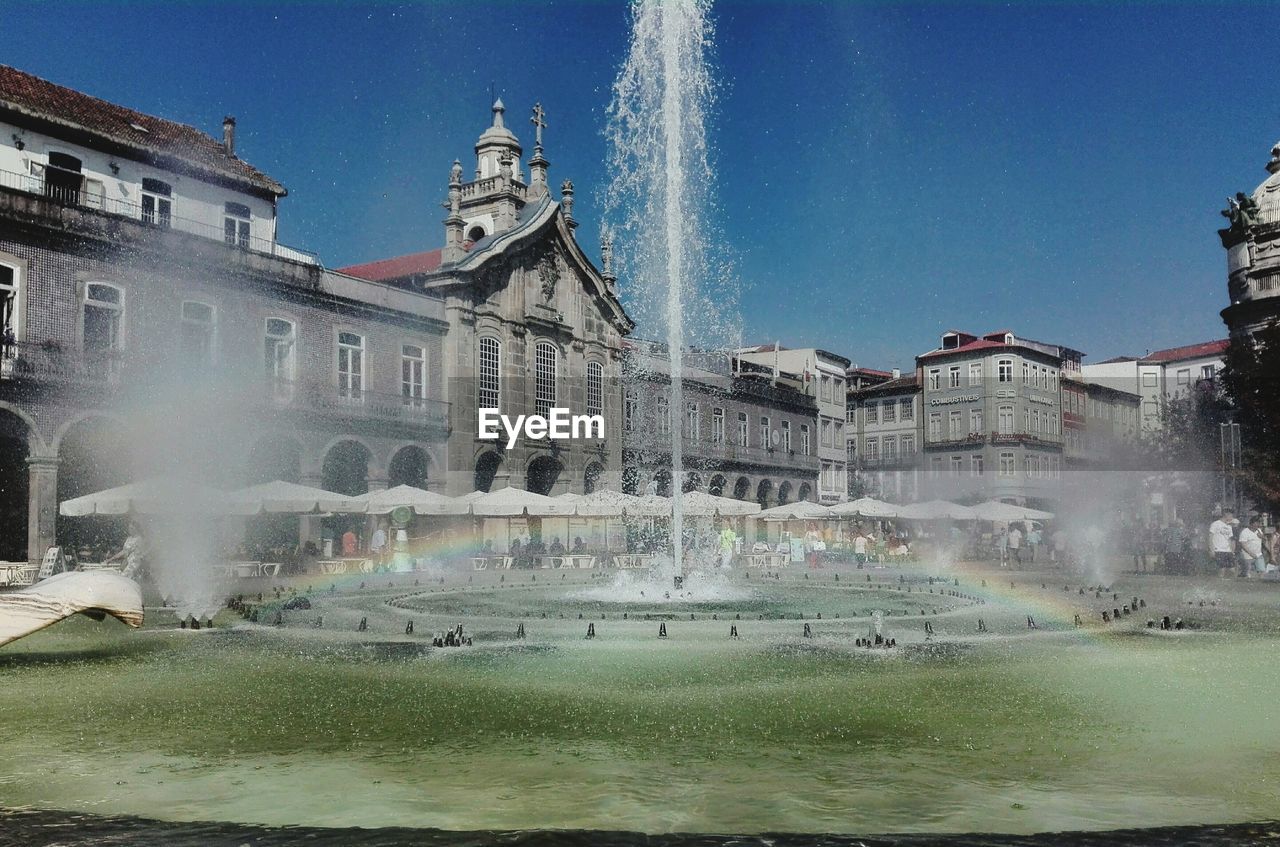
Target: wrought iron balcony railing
(68, 188)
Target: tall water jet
(660, 199)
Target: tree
(1252, 381)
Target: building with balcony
(820, 375)
(745, 435)
(533, 325)
(152, 324)
(884, 433)
(993, 416)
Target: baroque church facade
(533, 324)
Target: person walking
(1002, 544)
(1015, 544)
(813, 545)
(1033, 541)
(728, 540)
(1222, 543)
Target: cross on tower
(539, 121)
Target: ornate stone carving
(1242, 211)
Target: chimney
(897, 373)
(229, 135)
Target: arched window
(595, 388)
(475, 233)
(489, 374)
(546, 364)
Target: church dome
(498, 135)
(1267, 195)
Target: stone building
(745, 434)
(1252, 242)
(993, 416)
(532, 323)
(820, 375)
(884, 435)
(152, 323)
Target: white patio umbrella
(289, 498)
(866, 507)
(604, 504)
(155, 496)
(801, 510)
(513, 502)
(421, 501)
(648, 506)
(706, 505)
(994, 510)
(936, 510)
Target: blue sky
(887, 170)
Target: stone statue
(1242, 211)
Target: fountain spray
(660, 197)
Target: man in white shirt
(1015, 544)
(1250, 544)
(1222, 542)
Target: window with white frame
(804, 439)
(825, 428)
(280, 356)
(826, 388)
(1004, 420)
(157, 202)
(935, 426)
(953, 426)
(489, 373)
(908, 445)
(351, 366)
(1026, 373)
(906, 409)
(953, 376)
(764, 432)
(1026, 420)
(851, 414)
(1004, 370)
(872, 413)
(662, 417)
(1208, 371)
(236, 224)
(786, 435)
(744, 430)
(9, 312)
(872, 453)
(196, 334)
(935, 466)
(717, 425)
(595, 388)
(838, 439)
(629, 411)
(889, 448)
(975, 465)
(1008, 467)
(413, 375)
(975, 421)
(957, 465)
(693, 421)
(546, 366)
(103, 321)
(889, 412)
(935, 379)
(975, 373)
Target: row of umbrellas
(163, 495)
(932, 510)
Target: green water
(1013, 731)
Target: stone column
(42, 506)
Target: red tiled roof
(30, 95)
(1190, 351)
(396, 267)
(903, 383)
